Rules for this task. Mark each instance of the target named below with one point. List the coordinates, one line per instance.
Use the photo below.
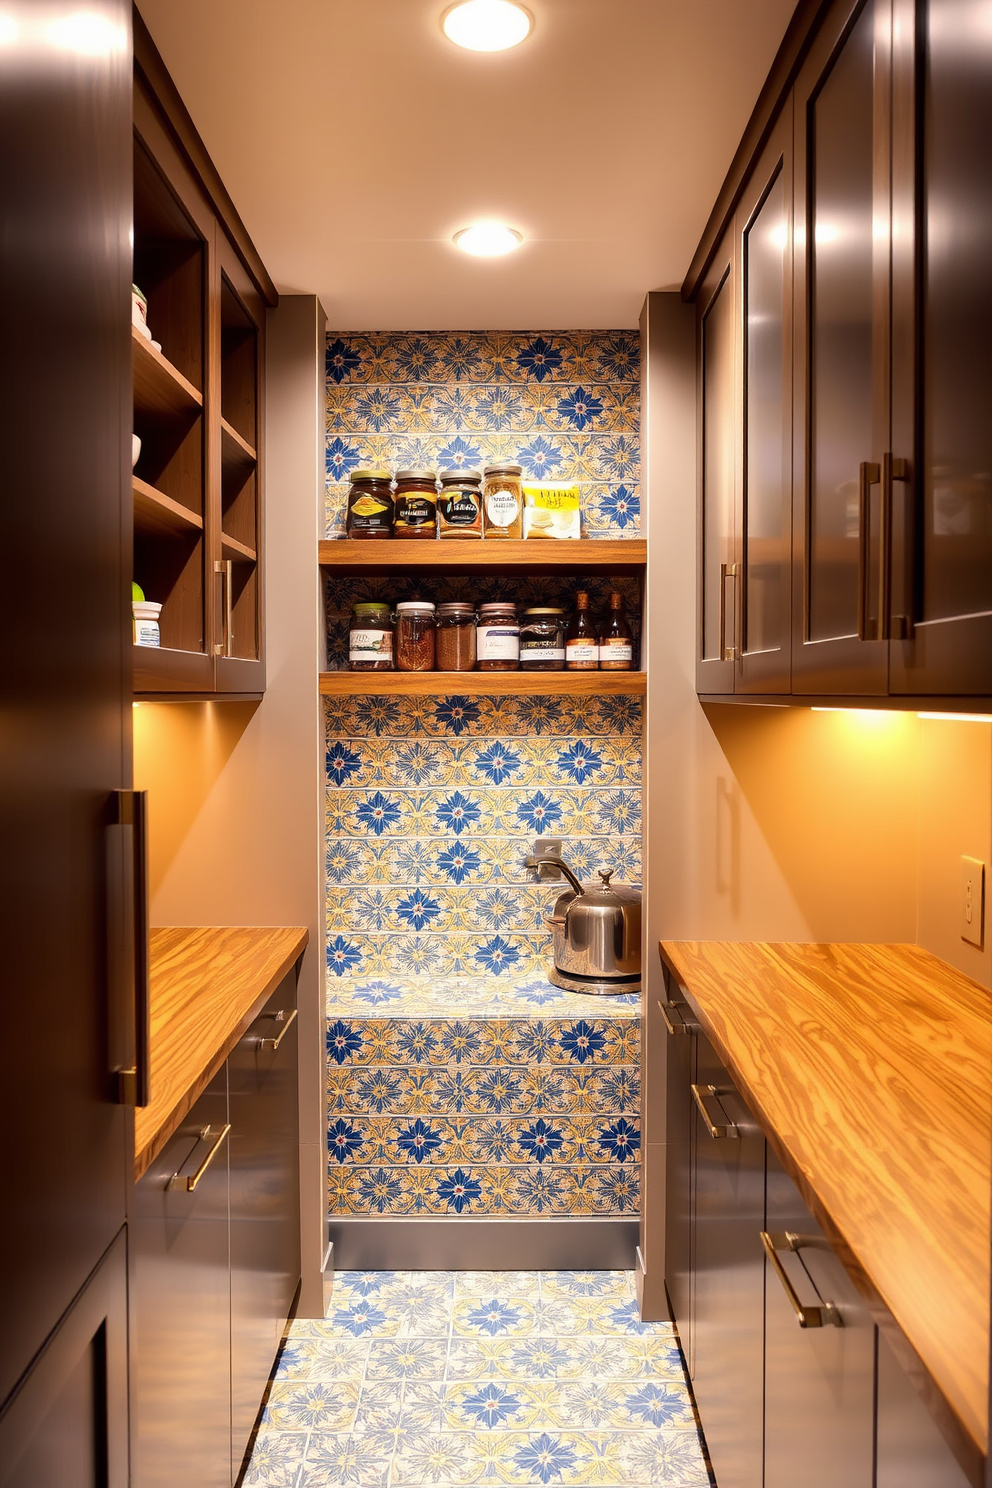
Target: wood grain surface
(617, 555)
(208, 984)
(870, 1067)
(482, 684)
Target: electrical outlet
(972, 902)
(547, 847)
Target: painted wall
(777, 823)
(234, 788)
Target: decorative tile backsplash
(478, 1098)
(564, 404)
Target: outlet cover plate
(972, 901)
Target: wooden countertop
(870, 1066)
(207, 985)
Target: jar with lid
(542, 640)
(498, 637)
(370, 504)
(503, 501)
(416, 504)
(456, 637)
(415, 636)
(370, 638)
(459, 507)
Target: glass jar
(542, 640)
(455, 637)
(415, 636)
(416, 504)
(503, 501)
(498, 637)
(370, 504)
(459, 507)
(370, 638)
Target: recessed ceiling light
(488, 239)
(487, 25)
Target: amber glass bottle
(616, 641)
(581, 650)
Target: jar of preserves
(459, 506)
(542, 640)
(498, 637)
(370, 638)
(456, 637)
(503, 501)
(416, 504)
(370, 504)
(415, 636)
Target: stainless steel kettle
(597, 934)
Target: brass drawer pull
(273, 1043)
(806, 1317)
(726, 1128)
(667, 1008)
(190, 1183)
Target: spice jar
(455, 637)
(498, 637)
(459, 506)
(416, 504)
(415, 636)
(370, 504)
(542, 640)
(503, 501)
(370, 638)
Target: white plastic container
(146, 628)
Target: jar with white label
(498, 637)
(542, 640)
(370, 638)
(146, 626)
(503, 501)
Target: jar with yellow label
(370, 504)
(503, 501)
(416, 504)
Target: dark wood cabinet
(265, 1233)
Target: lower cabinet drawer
(819, 1378)
(911, 1452)
(180, 1328)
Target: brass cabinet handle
(893, 469)
(727, 571)
(190, 1183)
(273, 1043)
(133, 954)
(869, 475)
(667, 1008)
(225, 568)
(726, 1128)
(806, 1317)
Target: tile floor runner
(456, 1378)
(526, 1104)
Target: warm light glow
(825, 232)
(487, 25)
(87, 33)
(959, 717)
(488, 239)
(8, 29)
(873, 717)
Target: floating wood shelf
(613, 555)
(157, 515)
(158, 669)
(482, 684)
(160, 389)
(237, 551)
(237, 455)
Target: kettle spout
(534, 862)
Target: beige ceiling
(355, 139)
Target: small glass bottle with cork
(616, 639)
(581, 646)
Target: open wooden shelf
(157, 515)
(482, 684)
(237, 551)
(158, 669)
(160, 389)
(237, 455)
(613, 555)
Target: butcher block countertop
(208, 984)
(870, 1068)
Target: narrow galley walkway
(479, 1377)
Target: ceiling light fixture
(487, 25)
(488, 239)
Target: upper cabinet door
(717, 400)
(941, 599)
(764, 249)
(842, 235)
